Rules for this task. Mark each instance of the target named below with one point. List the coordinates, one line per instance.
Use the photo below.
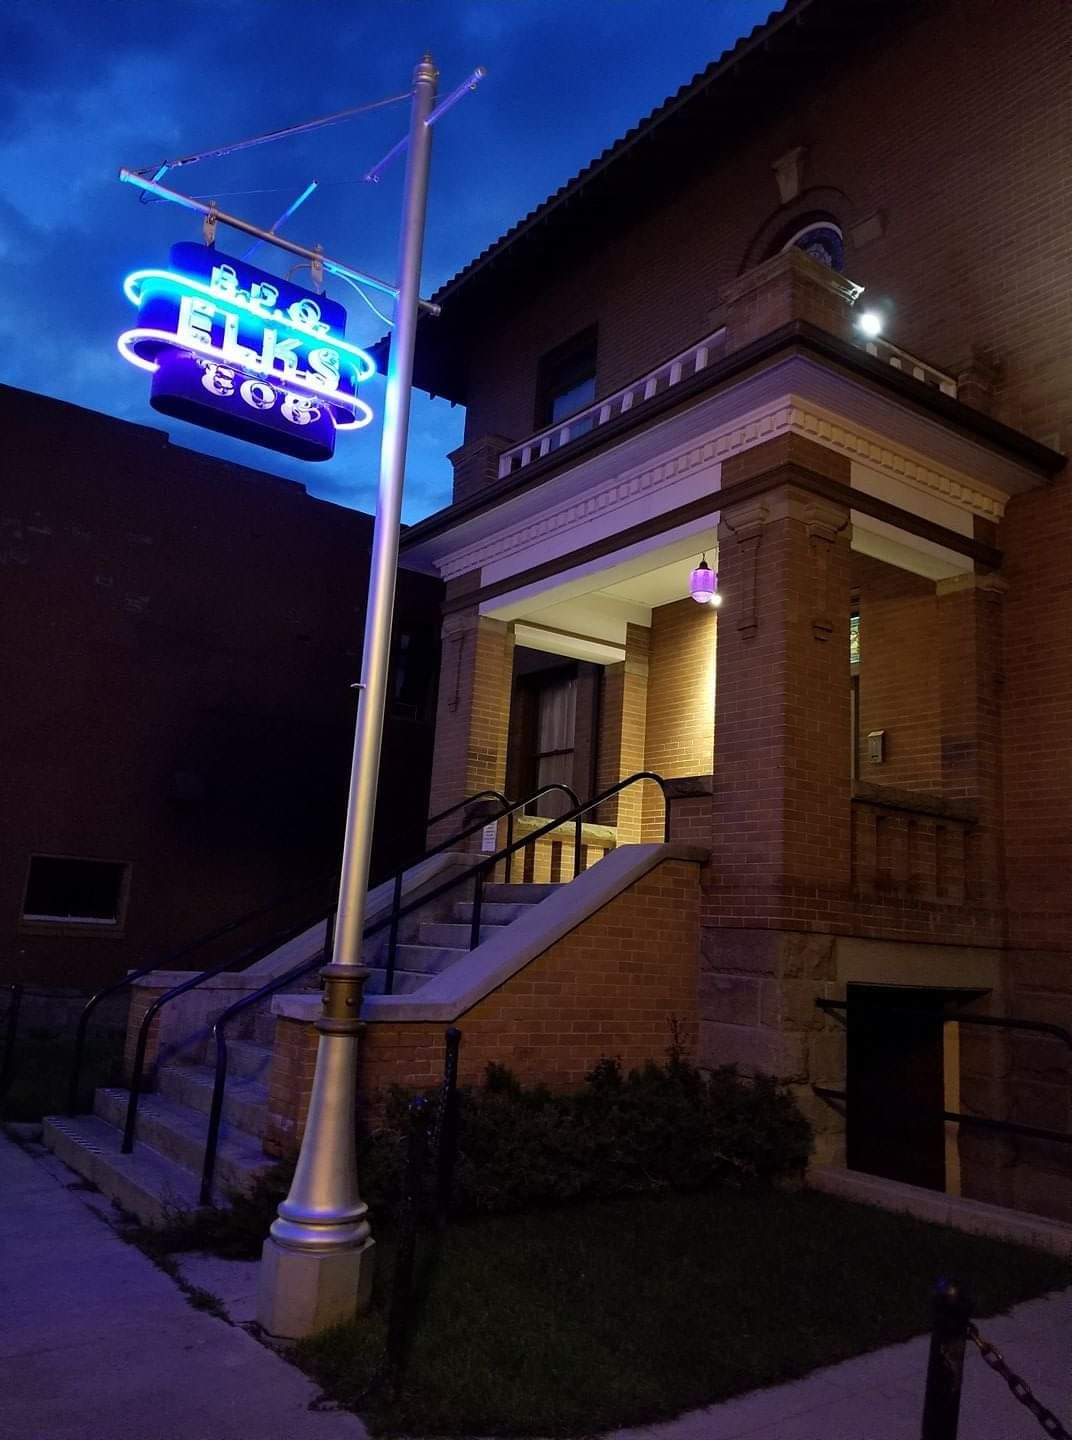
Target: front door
(896, 1084)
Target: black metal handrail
(11, 1026)
(1000, 1022)
(169, 963)
(192, 983)
(280, 982)
(510, 810)
(471, 800)
(234, 962)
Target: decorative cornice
(787, 414)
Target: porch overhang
(919, 458)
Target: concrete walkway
(96, 1343)
(880, 1396)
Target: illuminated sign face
(244, 352)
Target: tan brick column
(781, 825)
(473, 711)
(622, 728)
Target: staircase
(161, 1177)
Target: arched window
(822, 240)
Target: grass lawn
(577, 1320)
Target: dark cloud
(89, 85)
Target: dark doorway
(896, 1083)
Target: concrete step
(246, 1058)
(446, 935)
(425, 960)
(491, 912)
(245, 1101)
(144, 1183)
(406, 981)
(519, 894)
(178, 1134)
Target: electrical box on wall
(876, 746)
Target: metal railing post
(392, 938)
(448, 1124)
(509, 842)
(215, 1114)
(951, 1312)
(578, 847)
(11, 1030)
(478, 901)
(398, 1321)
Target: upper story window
(566, 379)
(823, 241)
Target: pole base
(302, 1292)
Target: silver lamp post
(316, 1267)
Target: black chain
(1019, 1386)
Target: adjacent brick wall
(679, 735)
(623, 983)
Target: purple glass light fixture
(703, 584)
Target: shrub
(664, 1126)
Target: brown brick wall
(982, 259)
(679, 737)
(618, 985)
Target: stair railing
(509, 810)
(171, 962)
(255, 952)
(399, 912)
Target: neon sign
(241, 351)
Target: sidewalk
(97, 1344)
(880, 1396)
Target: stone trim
(788, 415)
(448, 996)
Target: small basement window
(65, 891)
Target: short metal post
(478, 901)
(448, 1124)
(398, 1320)
(578, 848)
(392, 938)
(11, 1028)
(509, 847)
(951, 1314)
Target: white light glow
(870, 324)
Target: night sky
(89, 85)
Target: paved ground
(97, 1344)
(880, 1396)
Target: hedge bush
(664, 1126)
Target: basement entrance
(895, 1083)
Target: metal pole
(317, 1263)
(945, 1362)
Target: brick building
(871, 736)
(868, 746)
(179, 639)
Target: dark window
(413, 673)
(566, 381)
(85, 891)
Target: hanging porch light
(703, 584)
